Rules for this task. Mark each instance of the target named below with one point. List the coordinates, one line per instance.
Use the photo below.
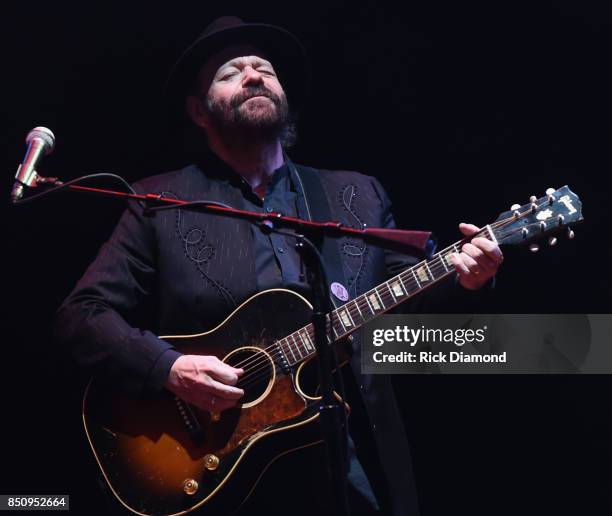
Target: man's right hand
(205, 381)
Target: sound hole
(258, 372)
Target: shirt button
(269, 209)
(362, 388)
(373, 428)
(281, 249)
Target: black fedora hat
(282, 48)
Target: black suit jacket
(176, 272)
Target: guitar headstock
(549, 216)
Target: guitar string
(261, 362)
(261, 358)
(258, 369)
(360, 301)
(363, 304)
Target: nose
(251, 76)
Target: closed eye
(266, 71)
(227, 76)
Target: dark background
(460, 110)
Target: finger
(491, 249)
(483, 260)
(224, 391)
(237, 370)
(224, 373)
(468, 229)
(472, 265)
(460, 267)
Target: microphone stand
(332, 412)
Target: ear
(194, 107)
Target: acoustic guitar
(163, 456)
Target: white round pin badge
(339, 291)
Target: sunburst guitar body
(161, 456)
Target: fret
(403, 284)
(429, 270)
(422, 274)
(308, 343)
(491, 233)
(334, 330)
(296, 346)
(280, 344)
(280, 347)
(292, 354)
(350, 318)
(358, 309)
(339, 317)
(415, 278)
(381, 301)
(391, 292)
(369, 303)
(302, 340)
(447, 259)
(443, 262)
(456, 249)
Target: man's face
(243, 93)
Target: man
(183, 272)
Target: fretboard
(347, 318)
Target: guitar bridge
(190, 421)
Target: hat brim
(282, 48)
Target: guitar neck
(344, 320)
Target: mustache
(254, 92)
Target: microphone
(41, 142)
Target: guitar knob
(550, 191)
(534, 248)
(190, 486)
(524, 232)
(542, 226)
(570, 233)
(560, 219)
(515, 207)
(552, 241)
(211, 462)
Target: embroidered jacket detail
(199, 252)
(353, 248)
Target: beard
(266, 117)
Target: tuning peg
(550, 191)
(552, 241)
(515, 207)
(570, 233)
(534, 248)
(533, 199)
